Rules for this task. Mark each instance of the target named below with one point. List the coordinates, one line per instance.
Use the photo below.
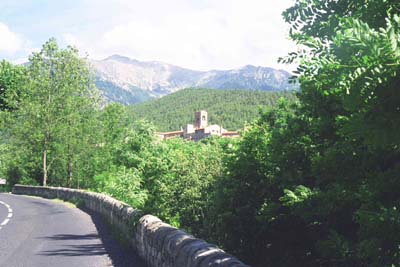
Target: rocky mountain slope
(129, 81)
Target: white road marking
(9, 215)
(5, 222)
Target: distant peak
(250, 67)
(119, 58)
(253, 68)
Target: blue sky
(197, 34)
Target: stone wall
(158, 243)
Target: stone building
(199, 130)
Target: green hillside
(229, 108)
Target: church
(199, 130)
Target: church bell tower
(201, 119)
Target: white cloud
(10, 42)
(200, 34)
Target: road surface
(40, 232)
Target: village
(199, 130)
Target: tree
(317, 184)
(52, 113)
(11, 80)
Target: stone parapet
(156, 242)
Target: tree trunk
(44, 165)
(70, 168)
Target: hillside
(229, 108)
(129, 81)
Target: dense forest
(229, 108)
(311, 182)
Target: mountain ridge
(128, 81)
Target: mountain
(129, 81)
(229, 108)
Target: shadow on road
(73, 237)
(77, 250)
(100, 243)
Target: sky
(196, 34)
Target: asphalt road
(40, 232)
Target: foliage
(229, 108)
(312, 185)
(292, 198)
(163, 175)
(182, 172)
(124, 184)
(314, 181)
(11, 79)
(53, 116)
